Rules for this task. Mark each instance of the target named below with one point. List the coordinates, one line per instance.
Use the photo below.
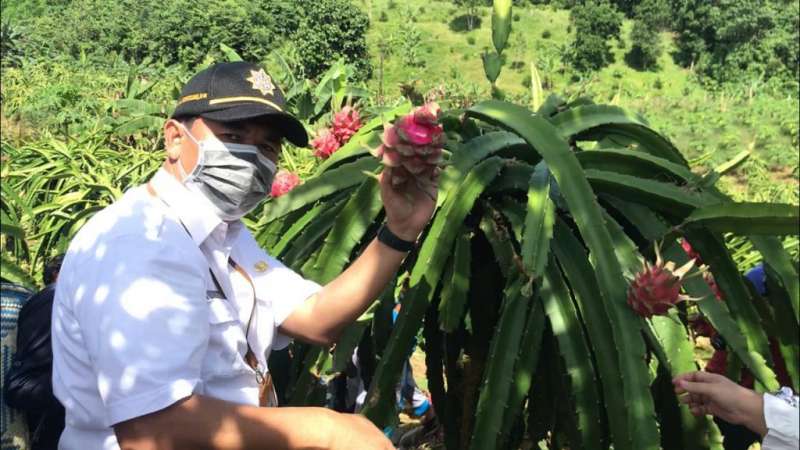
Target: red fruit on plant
(414, 143)
(284, 182)
(656, 288)
(325, 144)
(346, 123)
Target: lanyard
(266, 390)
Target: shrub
(596, 23)
(159, 29)
(546, 34)
(645, 47)
(329, 30)
(383, 17)
(471, 40)
(516, 17)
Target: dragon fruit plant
(519, 284)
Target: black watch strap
(386, 236)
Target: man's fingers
(696, 377)
(697, 388)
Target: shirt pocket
(226, 343)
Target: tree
(329, 30)
(596, 22)
(470, 8)
(646, 46)
(736, 40)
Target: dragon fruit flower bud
(390, 157)
(413, 132)
(427, 113)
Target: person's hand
(409, 203)
(709, 393)
(355, 432)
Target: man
(28, 385)
(166, 308)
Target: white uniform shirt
(783, 423)
(138, 322)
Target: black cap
(232, 91)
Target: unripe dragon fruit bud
(325, 144)
(346, 123)
(284, 182)
(656, 288)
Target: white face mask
(235, 178)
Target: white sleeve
(783, 422)
(144, 320)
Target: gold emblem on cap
(261, 82)
(261, 266)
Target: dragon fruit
(414, 142)
(284, 182)
(346, 123)
(325, 143)
(657, 287)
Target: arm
(709, 393)
(204, 422)
(323, 317)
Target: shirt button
(261, 266)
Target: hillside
(427, 41)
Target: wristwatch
(386, 236)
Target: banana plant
(519, 284)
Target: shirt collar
(192, 208)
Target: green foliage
(735, 40)
(10, 45)
(174, 32)
(329, 30)
(596, 22)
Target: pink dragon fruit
(656, 288)
(284, 182)
(346, 123)
(414, 142)
(325, 143)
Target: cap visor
(291, 128)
